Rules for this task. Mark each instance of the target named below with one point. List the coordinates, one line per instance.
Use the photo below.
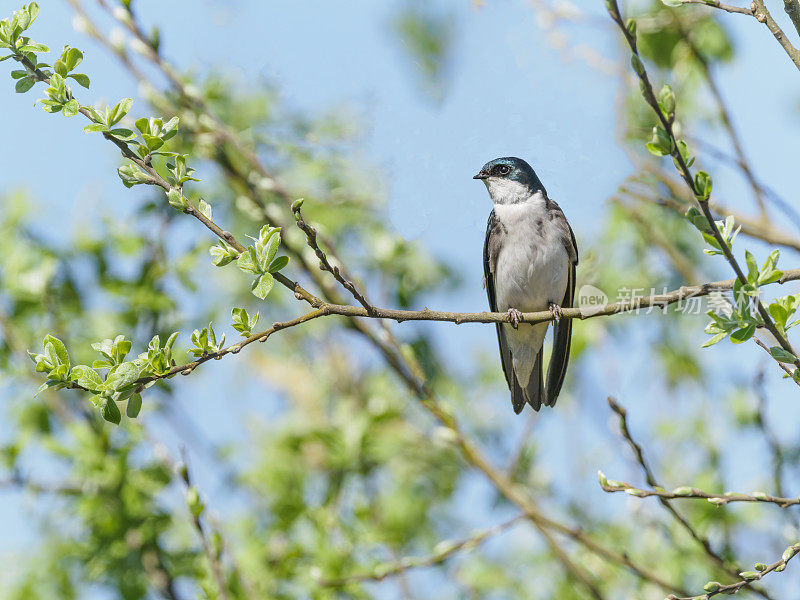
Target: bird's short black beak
(481, 175)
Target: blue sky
(511, 93)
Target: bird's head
(510, 180)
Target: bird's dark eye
(504, 169)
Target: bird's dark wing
(562, 331)
(495, 233)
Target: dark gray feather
(495, 232)
(562, 331)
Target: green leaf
(110, 411)
(205, 208)
(153, 142)
(32, 47)
(271, 247)
(86, 377)
(278, 264)
(143, 125)
(24, 84)
(702, 185)
(95, 128)
(61, 357)
(637, 65)
(119, 111)
(743, 334)
(666, 101)
(752, 267)
(782, 355)
(126, 135)
(717, 338)
(121, 376)
(33, 12)
(698, 219)
(263, 285)
(248, 262)
(72, 57)
(71, 108)
(83, 80)
(134, 406)
(177, 200)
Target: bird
(529, 261)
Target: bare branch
(609, 485)
(748, 578)
(758, 10)
(196, 508)
(324, 263)
(792, 8)
(446, 550)
(651, 481)
(717, 4)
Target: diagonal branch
(446, 551)
(651, 481)
(792, 8)
(759, 11)
(684, 172)
(713, 588)
(691, 492)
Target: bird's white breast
(533, 263)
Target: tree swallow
(529, 260)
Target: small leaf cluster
(205, 342)
(741, 323)
(223, 253)
(727, 230)
(259, 259)
(782, 309)
(155, 133)
(242, 322)
(11, 37)
(121, 382)
(54, 362)
(104, 122)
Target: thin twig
(725, 118)
(651, 481)
(762, 15)
(446, 550)
(681, 493)
(213, 559)
(748, 577)
(324, 263)
(717, 4)
(792, 8)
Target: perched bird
(529, 260)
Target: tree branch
(748, 577)
(651, 481)
(717, 4)
(758, 10)
(792, 8)
(683, 171)
(447, 549)
(196, 508)
(609, 485)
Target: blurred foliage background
(337, 481)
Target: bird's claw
(514, 317)
(555, 311)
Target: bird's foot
(514, 317)
(555, 311)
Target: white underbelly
(531, 275)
